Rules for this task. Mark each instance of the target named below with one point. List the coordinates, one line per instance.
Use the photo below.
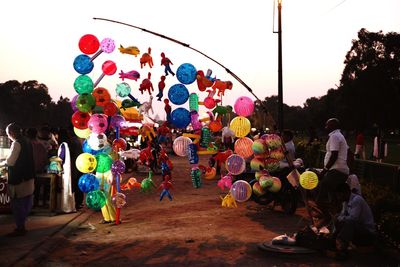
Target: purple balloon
(117, 121)
(73, 103)
(117, 167)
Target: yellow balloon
(86, 163)
(241, 126)
(309, 180)
(82, 133)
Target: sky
(39, 41)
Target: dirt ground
(191, 230)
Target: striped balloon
(241, 190)
(243, 147)
(240, 126)
(181, 146)
(235, 164)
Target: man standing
(334, 173)
(21, 173)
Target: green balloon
(96, 199)
(194, 102)
(104, 162)
(85, 102)
(83, 84)
(123, 89)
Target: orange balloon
(243, 147)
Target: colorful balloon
(104, 162)
(117, 167)
(85, 102)
(89, 44)
(186, 73)
(241, 191)
(180, 117)
(259, 146)
(309, 180)
(244, 106)
(83, 64)
(272, 140)
(88, 182)
(243, 147)
(257, 164)
(98, 123)
(181, 146)
(276, 185)
(235, 164)
(240, 126)
(258, 190)
(96, 199)
(82, 133)
(80, 120)
(110, 108)
(271, 165)
(86, 163)
(97, 141)
(102, 96)
(119, 145)
(178, 94)
(83, 84)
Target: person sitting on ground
(355, 222)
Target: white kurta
(66, 198)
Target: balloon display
(244, 106)
(186, 73)
(86, 163)
(180, 117)
(178, 94)
(88, 182)
(96, 199)
(241, 191)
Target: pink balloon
(244, 106)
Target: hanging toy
(221, 86)
(225, 182)
(166, 62)
(204, 81)
(146, 85)
(195, 173)
(147, 184)
(166, 185)
(161, 86)
(146, 59)
(131, 75)
(146, 106)
(228, 201)
(130, 50)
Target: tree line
(368, 94)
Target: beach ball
(240, 126)
(257, 164)
(117, 167)
(241, 191)
(83, 64)
(272, 140)
(80, 119)
(180, 117)
(235, 164)
(181, 146)
(193, 102)
(266, 181)
(259, 146)
(257, 189)
(104, 162)
(243, 147)
(309, 180)
(86, 163)
(244, 106)
(98, 123)
(271, 164)
(83, 84)
(186, 73)
(88, 182)
(82, 133)
(276, 185)
(97, 141)
(178, 94)
(89, 44)
(102, 96)
(96, 199)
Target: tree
(370, 83)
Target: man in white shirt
(334, 173)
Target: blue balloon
(83, 64)
(180, 117)
(186, 73)
(178, 94)
(88, 182)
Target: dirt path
(191, 230)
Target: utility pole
(280, 80)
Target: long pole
(280, 79)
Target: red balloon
(80, 120)
(118, 145)
(89, 44)
(110, 109)
(102, 96)
(109, 67)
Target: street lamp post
(280, 80)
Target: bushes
(385, 205)
(310, 153)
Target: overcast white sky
(39, 41)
